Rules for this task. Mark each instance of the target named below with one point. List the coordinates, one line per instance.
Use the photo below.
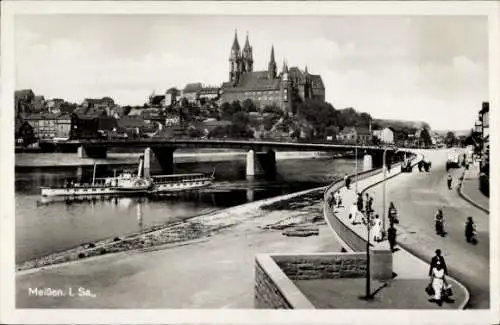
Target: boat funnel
(141, 163)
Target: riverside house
(385, 135)
(47, 126)
(351, 134)
(24, 133)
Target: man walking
(391, 236)
(449, 180)
(360, 202)
(438, 259)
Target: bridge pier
(261, 163)
(158, 160)
(250, 195)
(367, 162)
(92, 152)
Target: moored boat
(129, 183)
(180, 182)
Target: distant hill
(457, 132)
(400, 124)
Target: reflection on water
(47, 225)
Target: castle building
(268, 87)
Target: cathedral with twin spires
(268, 87)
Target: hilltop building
(268, 87)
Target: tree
(125, 110)
(450, 139)
(426, 137)
(319, 115)
(249, 106)
(228, 110)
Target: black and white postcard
(249, 162)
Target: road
(417, 197)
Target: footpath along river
(46, 227)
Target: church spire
(272, 65)
(235, 61)
(247, 43)
(236, 45)
(272, 55)
(247, 56)
(285, 67)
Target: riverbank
(181, 274)
(40, 160)
(292, 210)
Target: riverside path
(417, 196)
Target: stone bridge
(261, 155)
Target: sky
(424, 68)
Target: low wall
(322, 265)
(273, 288)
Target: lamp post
(356, 171)
(368, 295)
(384, 193)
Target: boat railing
(172, 179)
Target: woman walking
(377, 229)
(438, 282)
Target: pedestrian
(354, 214)
(470, 231)
(338, 199)
(393, 214)
(449, 180)
(346, 177)
(438, 258)
(331, 200)
(438, 282)
(360, 202)
(391, 236)
(377, 229)
(439, 222)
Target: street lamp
(368, 295)
(384, 193)
(356, 171)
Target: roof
(47, 116)
(107, 123)
(210, 125)
(316, 81)
(157, 99)
(173, 90)
(24, 92)
(257, 80)
(131, 121)
(192, 87)
(348, 129)
(20, 123)
(363, 131)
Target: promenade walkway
(410, 273)
(470, 187)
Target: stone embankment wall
(274, 275)
(322, 265)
